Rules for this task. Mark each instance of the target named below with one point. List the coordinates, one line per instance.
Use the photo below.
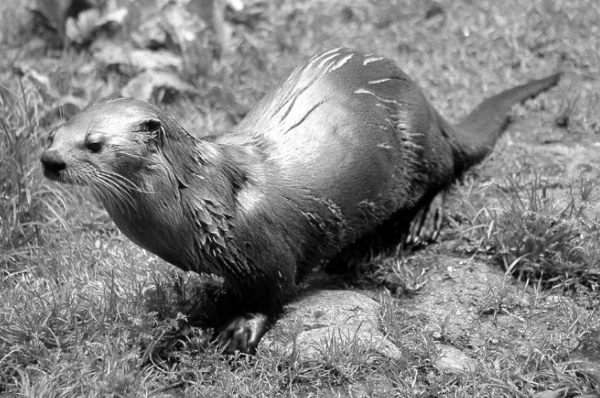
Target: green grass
(84, 312)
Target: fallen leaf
(111, 54)
(147, 83)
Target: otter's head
(106, 146)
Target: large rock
(327, 322)
(332, 324)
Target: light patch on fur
(368, 60)
(326, 60)
(385, 145)
(247, 199)
(341, 62)
(379, 81)
(306, 76)
(379, 98)
(364, 91)
(318, 57)
(209, 150)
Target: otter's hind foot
(243, 333)
(427, 225)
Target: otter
(347, 151)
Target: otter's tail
(482, 127)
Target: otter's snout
(53, 163)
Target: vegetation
(84, 312)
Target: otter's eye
(93, 146)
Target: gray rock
(329, 323)
(336, 325)
(453, 360)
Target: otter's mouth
(53, 175)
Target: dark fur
(346, 149)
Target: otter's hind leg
(427, 225)
(408, 229)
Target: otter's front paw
(243, 333)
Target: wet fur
(345, 151)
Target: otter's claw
(243, 333)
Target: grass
(86, 313)
(539, 236)
(21, 200)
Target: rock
(329, 323)
(452, 360)
(333, 324)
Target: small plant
(535, 235)
(402, 276)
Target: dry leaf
(111, 54)
(146, 84)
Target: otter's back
(350, 128)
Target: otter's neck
(216, 168)
(190, 195)
(216, 172)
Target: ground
(511, 284)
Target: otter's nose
(53, 163)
